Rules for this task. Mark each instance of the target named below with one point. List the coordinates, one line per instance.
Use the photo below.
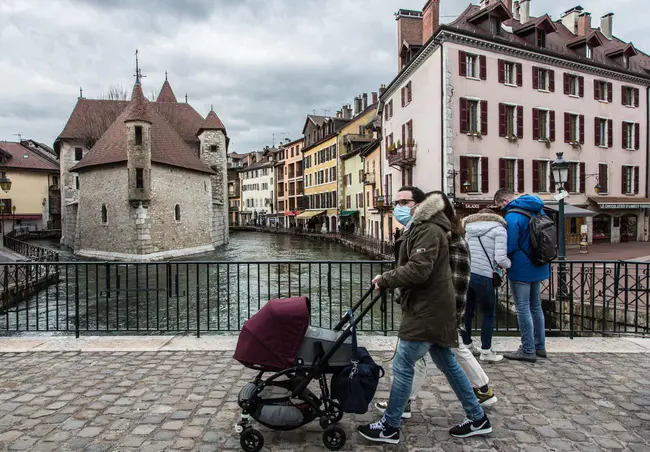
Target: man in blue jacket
(525, 277)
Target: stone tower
(214, 153)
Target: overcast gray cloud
(263, 64)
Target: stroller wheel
(334, 437)
(251, 440)
(337, 412)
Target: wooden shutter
(502, 120)
(535, 77)
(581, 86)
(391, 108)
(520, 122)
(408, 92)
(623, 136)
(552, 126)
(536, 181)
(583, 176)
(536, 134)
(551, 81)
(520, 176)
(636, 180)
(483, 64)
(485, 175)
(624, 99)
(567, 83)
(597, 131)
(403, 136)
(386, 113)
(623, 178)
(581, 119)
(464, 126)
(567, 128)
(596, 89)
(602, 177)
(502, 173)
(636, 97)
(610, 92)
(610, 133)
(484, 117)
(637, 138)
(502, 71)
(520, 76)
(402, 94)
(551, 189)
(463, 174)
(462, 63)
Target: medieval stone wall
(69, 192)
(217, 160)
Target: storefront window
(602, 228)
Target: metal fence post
(76, 300)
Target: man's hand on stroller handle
(375, 282)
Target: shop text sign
(625, 206)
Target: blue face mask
(402, 214)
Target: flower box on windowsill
(475, 135)
(546, 141)
(576, 145)
(512, 139)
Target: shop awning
(22, 216)
(349, 213)
(572, 211)
(310, 214)
(291, 214)
(606, 203)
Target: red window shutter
(623, 135)
(535, 77)
(596, 89)
(520, 176)
(569, 185)
(386, 113)
(403, 135)
(567, 128)
(536, 176)
(637, 138)
(624, 172)
(502, 71)
(636, 180)
(484, 117)
(552, 178)
(567, 83)
(485, 175)
(464, 127)
(536, 134)
(610, 133)
(581, 86)
(624, 95)
(520, 76)
(462, 63)
(552, 125)
(386, 143)
(582, 128)
(502, 173)
(402, 94)
(583, 176)
(636, 97)
(391, 108)
(502, 120)
(551, 81)
(483, 64)
(520, 122)
(610, 92)
(463, 174)
(597, 131)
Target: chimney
(484, 3)
(515, 10)
(570, 18)
(365, 101)
(347, 111)
(584, 24)
(524, 11)
(508, 4)
(430, 19)
(374, 98)
(339, 114)
(409, 29)
(382, 89)
(607, 24)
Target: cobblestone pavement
(165, 401)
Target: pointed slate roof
(138, 109)
(212, 122)
(166, 93)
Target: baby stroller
(278, 339)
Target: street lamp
(560, 169)
(5, 182)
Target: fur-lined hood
(484, 217)
(432, 210)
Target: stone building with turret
(143, 180)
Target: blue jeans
(529, 315)
(408, 353)
(481, 291)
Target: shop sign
(478, 206)
(624, 206)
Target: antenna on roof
(81, 92)
(165, 75)
(185, 97)
(138, 72)
(20, 137)
(314, 111)
(273, 140)
(325, 111)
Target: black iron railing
(197, 296)
(16, 241)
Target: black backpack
(543, 238)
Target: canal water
(216, 292)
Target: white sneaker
(474, 349)
(490, 356)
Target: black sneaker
(541, 353)
(379, 432)
(471, 428)
(381, 406)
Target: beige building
(290, 182)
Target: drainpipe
(647, 161)
(443, 154)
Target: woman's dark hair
(417, 194)
(456, 225)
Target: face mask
(402, 214)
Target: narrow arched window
(177, 212)
(104, 214)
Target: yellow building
(34, 199)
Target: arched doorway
(628, 228)
(602, 229)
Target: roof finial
(138, 72)
(211, 107)
(81, 92)
(165, 75)
(185, 97)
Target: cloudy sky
(263, 64)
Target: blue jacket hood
(531, 203)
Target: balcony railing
(403, 157)
(234, 194)
(369, 178)
(358, 138)
(382, 203)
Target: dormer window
(541, 39)
(495, 26)
(138, 135)
(626, 61)
(589, 52)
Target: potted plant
(547, 142)
(512, 138)
(474, 135)
(399, 145)
(576, 145)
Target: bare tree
(116, 92)
(98, 117)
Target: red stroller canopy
(271, 338)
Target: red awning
(34, 216)
(291, 214)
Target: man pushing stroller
(426, 294)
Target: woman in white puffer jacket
(488, 229)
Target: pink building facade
(488, 101)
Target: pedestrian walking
(425, 289)
(525, 275)
(488, 245)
